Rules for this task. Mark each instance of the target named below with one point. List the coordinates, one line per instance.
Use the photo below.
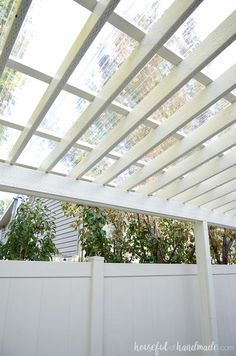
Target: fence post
(206, 286)
(96, 307)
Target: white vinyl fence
(97, 309)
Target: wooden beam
(179, 76)
(206, 171)
(187, 113)
(27, 181)
(156, 37)
(18, 17)
(90, 30)
(207, 186)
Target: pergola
(120, 150)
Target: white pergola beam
(89, 32)
(12, 33)
(232, 211)
(206, 171)
(179, 76)
(207, 186)
(32, 182)
(187, 113)
(221, 201)
(156, 37)
(196, 159)
(227, 207)
(211, 128)
(215, 193)
(119, 22)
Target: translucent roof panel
(99, 168)
(220, 134)
(7, 11)
(36, 151)
(221, 63)
(205, 116)
(143, 13)
(208, 15)
(48, 32)
(159, 149)
(108, 51)
(101, 126)
(131, 140)
(70, 160)
(147, 79)
(19, 95)
(8, 137)
(124, 175)
(181, 97)
(64, 112)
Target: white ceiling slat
(14, 28)
(212, 127)
(221, 201)
(227, 207)
(232, 212)
(216, 193)
(207, 186)
(25, 181)
(155, 38)
(204, 172)
(188, 112)
(85, 94)
(90, 30)
(180, 75)
(196, 159)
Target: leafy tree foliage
(223, 245)
(121, 236)
(30, 234)
(124, 237)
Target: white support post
(207, 297)
(96, 307)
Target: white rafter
(18, 17)
(196, 159)
(224, 208)
(206, 171)
(155, 38)
(179, 76)
(223, 200)
(207, 187)
(202, 183)
(188, 112)
(216, 192)
(90, 30)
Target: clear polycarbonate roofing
(137, 95)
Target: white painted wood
(90, 30)
(179, 76)
(203, 173)
(20, 10)
(221, 201)
(215, 194)
(196, 159)
(26, 181)
(156, 37)
(208, 185)
(227, 207)
(206, 288)
(184, 115)
(96, 307)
